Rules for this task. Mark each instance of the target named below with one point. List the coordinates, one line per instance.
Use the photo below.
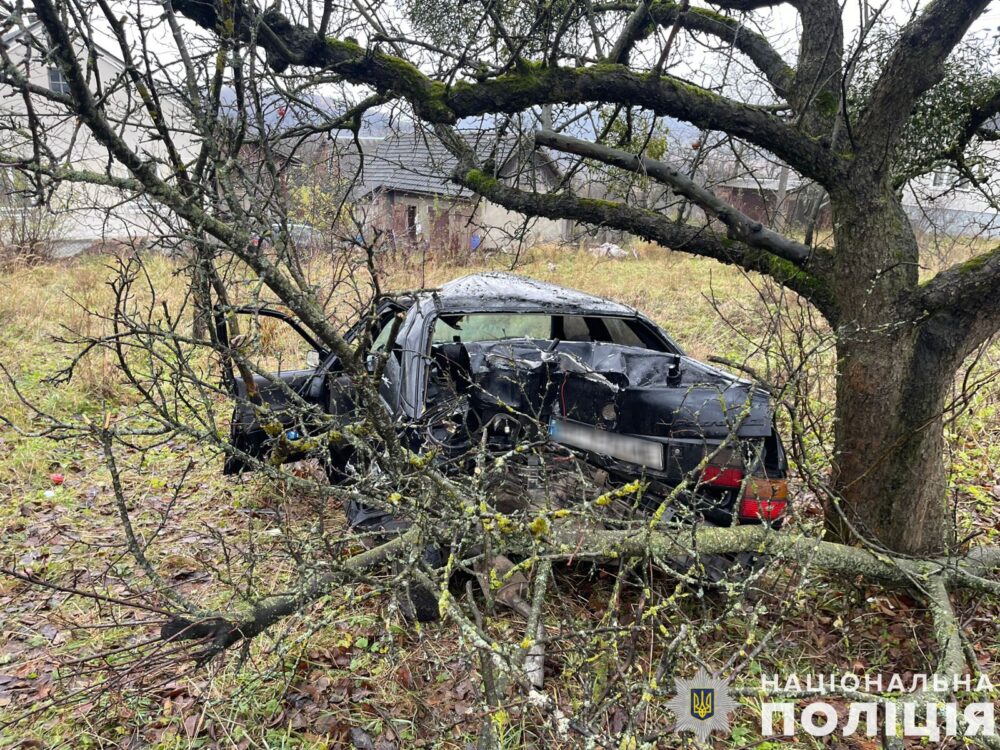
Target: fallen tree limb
(947, 631)
(966, 571)
(932, 579)
(224, 633)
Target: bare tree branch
(727, 30)
(655, 227)
(741, 227)
(916, 64)
(961, 302)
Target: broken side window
(492, 327)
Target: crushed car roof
(508, 292)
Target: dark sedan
(497, 359)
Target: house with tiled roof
(405, 191)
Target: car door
(300, 397)
(289, 390)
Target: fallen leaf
(361, 739)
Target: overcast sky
(780, 24)
(782, 21)
(785, 18)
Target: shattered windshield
(478, 327)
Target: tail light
(763, 499)
(725, 469)
(717, 476)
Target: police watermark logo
(702, 704)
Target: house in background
(74, 216)
(763, 188)
(944, 203)
(755, 183)
(936, 203)
(405, 192)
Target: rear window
(477, 327)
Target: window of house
(944, 178)
(57, 81)
(411, 222)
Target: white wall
(940, 202)
(83, 212)
(500, 228)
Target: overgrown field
(361, 668)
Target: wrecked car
(497, 360)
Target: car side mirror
(372, 362)
(312, 358)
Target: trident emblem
(702, 703)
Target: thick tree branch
(526, 86)
(662, 95)
(740, 226)
(970, 571)
(964, 286)
(932, 578)
(915, 65)
(947, 630)
(656, 228)
(224, 633)
(635, 28)
(813, 89)
(752, 44)
(815, 93)
(728, 30)
(982, 114)
(961, 303)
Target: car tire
(417, 601)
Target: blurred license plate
(623, 447)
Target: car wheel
(416, 601)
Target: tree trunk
(891, 386)
(201, 295)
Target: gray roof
(417, 162)
(29, 24)
(503, 291)
(413, 162)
